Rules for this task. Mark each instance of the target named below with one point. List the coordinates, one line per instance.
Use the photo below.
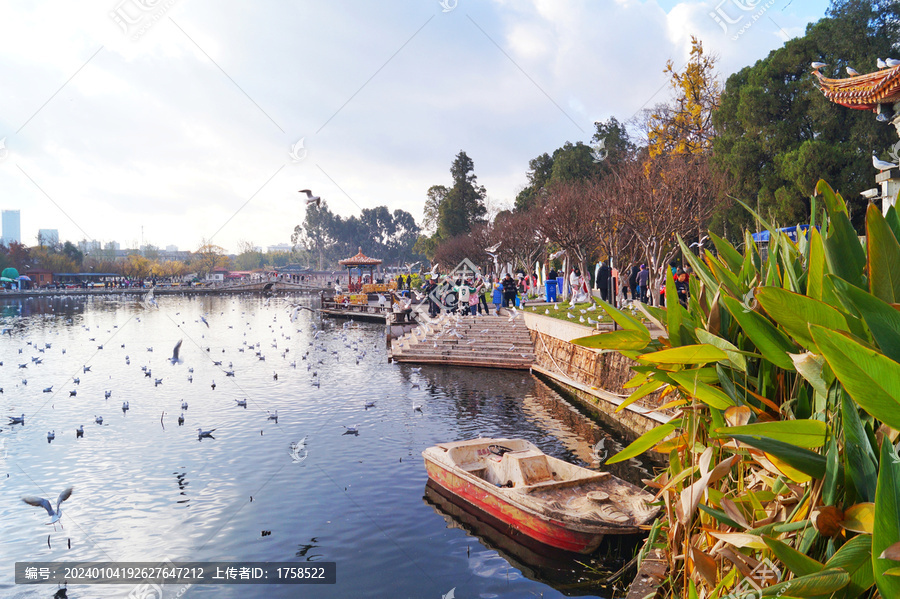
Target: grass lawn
(562, 310)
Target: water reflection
(324, 495)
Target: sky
(171, 122)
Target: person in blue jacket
(497, 298)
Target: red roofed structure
(360, 261)
(863, 92)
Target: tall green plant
(784, 372)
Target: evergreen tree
(463, 206)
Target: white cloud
(175, 131)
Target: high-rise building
(48, 236)
(12, 227)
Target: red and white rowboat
(549, 500)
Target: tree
(136, 266)
(463, 206)
(208, 257)
(249, 257)
(567, 218)
(685, 126)
(71, 251)
(316, 233)
(521, 243)
(777, 134)
(540, 170)
(43, 257)
(661, 198)
(435, 195)
(18, 255)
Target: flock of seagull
(314, 356)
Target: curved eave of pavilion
(360, 259)
(863, 92)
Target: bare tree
(521, 243)
(568, 217)
(661, 198)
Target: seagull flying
(55, 515)
(310, 198)
(175, 359)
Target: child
(497, 298)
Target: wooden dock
(479, 341)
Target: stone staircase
(480, 341)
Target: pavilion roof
(863, 92)
(360, 259)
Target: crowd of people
(472, 294)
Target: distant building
(48, 236)
(217, 275)
(171, 248)
(111, 245)
(86, 247)
(281, 247)
(12, 226)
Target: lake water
(148, 490)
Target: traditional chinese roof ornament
(863, 92)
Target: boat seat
(562, 484)
(534, 468)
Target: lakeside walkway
(262, 286)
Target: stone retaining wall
(595, 379)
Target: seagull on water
(98, 419)
(49, 389)
(241, 403)
(273, 416)
(184, 405)
(352, 430)
(17, 419)
(125, 406)
(55, 515)
(79, 432)
(202, 433)
(310, 198)
(369, 404)
(181, 419)
(107, 394)
(51, 435)
(175, 359)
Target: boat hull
(543, 529)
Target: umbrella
(24, 278)
(5, 280)
(9, 273)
